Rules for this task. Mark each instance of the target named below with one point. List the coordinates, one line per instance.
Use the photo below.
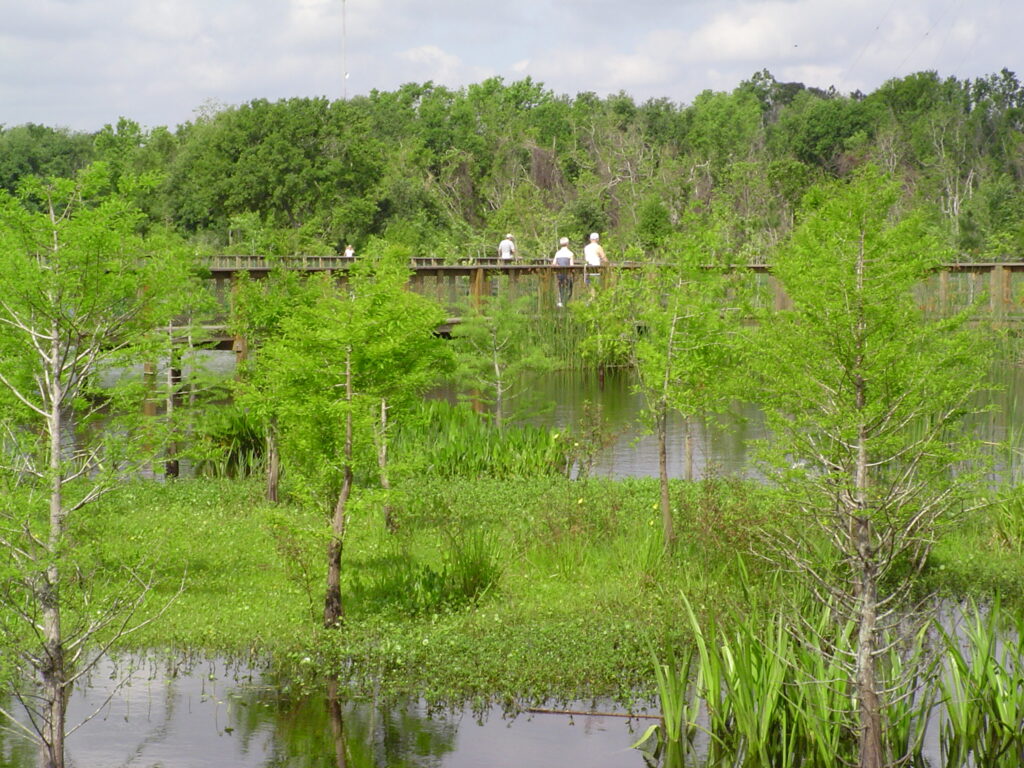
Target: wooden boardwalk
(1000, 285)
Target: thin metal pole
(344, 54)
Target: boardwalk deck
(954, 286)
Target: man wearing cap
(507, 248)
(563, 258)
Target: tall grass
(1008, 519)
(227, 441)
(776, 691)
(983, 690)
(455, 441)
(471, 566)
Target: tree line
(447, 172)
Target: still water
(216, 714)
(149, 714)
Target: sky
(81, 64)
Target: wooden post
(1000, 290)
(149, 378)
(779, 293)
(943, 292)
(993, 291)
(545, 287)
(476, 287)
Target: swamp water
(213, 714)
(218, 714)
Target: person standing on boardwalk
(593, 256)
(507, 248)
(350, 252)
(564, 258)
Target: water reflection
(720, 445)
(723, 445)
(149, 713)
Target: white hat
(594, 236)
(564, 241)
(509, 236)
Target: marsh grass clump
(398, 581)
(982, 686)
(451, 441)
(227, 441)
(767, 687)
(1007, 513)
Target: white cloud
(83, 62)
(433, 62)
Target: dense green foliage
(578, 583)
(446, 172)
(490, 573)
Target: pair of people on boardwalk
(593, 256)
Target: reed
(776, 690)
(819, 689)
(983, 689)
(1008, 519)
(679, 705)
(227, 441)
(455, 441)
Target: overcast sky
(84, 63)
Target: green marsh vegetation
(473, 567)
(517, 588)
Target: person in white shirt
(350, 252)
(594, 256)
(564, 258)
(594, 253)
(507, 248)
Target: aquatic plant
(470, 566)
(228, 441)
(455, 441)
(983, 689)
(773, 691)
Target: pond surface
(218, 714)
(724, 445)
(721, 445)
(221, 715)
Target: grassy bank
(519, 590)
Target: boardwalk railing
(1000, 285)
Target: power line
(928, 32)
(868, 42)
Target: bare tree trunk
(382, 465)
(668, 527)
(865, 580)
(273, 462)
(333, 609)
(499, 388)
(173, 387)
(337, 724)
(867, 692)
(52, 670)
